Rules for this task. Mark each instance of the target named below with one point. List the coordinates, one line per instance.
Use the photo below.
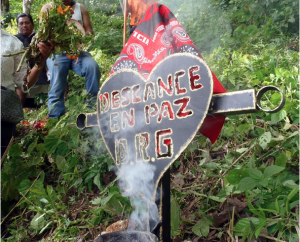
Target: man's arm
(44, 9)
(45, 49)
(86, 20)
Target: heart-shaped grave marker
(154, 120)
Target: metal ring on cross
(260, 94)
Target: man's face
(66, 2)
(25, 26)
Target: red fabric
(158, 35)
(212, 127)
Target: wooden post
(125, 21)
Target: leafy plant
(57, 182)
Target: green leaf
(42, 177)
(251, 30)
(96, 201)
(74, 136)
(175, 216)
(281, 160)
(244, 228)
(105, 200)
(51, 143)
(243, 128)
(242, 150)
(77, 182)
(276, 98)
(293, 134)
(73, 162)
(252, 209)
(90, 175)
(247, 183)
(279, 138)
(217, 199)
(201, 229)
(113, 204)
(294, 204)
(49, 190)
(41, 148)
(276, 117)
(290, 183)
(32, 146)
(211, 165)
(272, 170)
(38, 221)
(251, 162)
(51, 193)
(97, 182)
(38, 188)
(60, 162)
(24, 185)
(235, 175)
(15, 150)
(254, 173)
(292, 193)
(60, 189)
(277, 204)
(259, 75)
(272, 227)
(96, 220)
(44, 200)
(262, 224)
(62, 148)
(198, 194)
(265, 139)
(264, 182)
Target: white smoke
(136, 183)
(207, 24)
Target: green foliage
(244, 185)
(109, 34)
(253, 44)
(74, 162)
(239, 24)
(198, 18)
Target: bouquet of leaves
(54, 27)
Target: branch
(22, 60)
(17, 53)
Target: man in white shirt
(59, 68)
(10, 79)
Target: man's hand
(32, 76)
(45, 48)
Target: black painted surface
(182, 129)
(166, 207)
(233, 103)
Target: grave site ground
(58, 183)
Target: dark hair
(21, 15)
